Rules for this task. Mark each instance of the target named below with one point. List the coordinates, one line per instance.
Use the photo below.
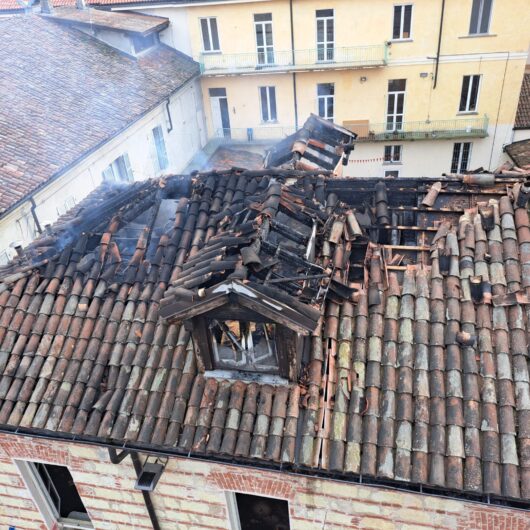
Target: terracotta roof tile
(113, 92)
(409, 379)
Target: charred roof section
(415, 374)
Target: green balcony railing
(278, 61)
(409, 130)
(424, 130)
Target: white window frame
(268, 90)
(37, 489)
(233, 512)
(479, 19)
(325, 99)
(386, 173)
(67, 205)
(156, 154)
(391, 118)
(393, 149)
(265, 48)
(402, 22)
(469, 91)
(459, 168)
(114, 169)
(327, 46)
(209, 26)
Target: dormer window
(237, 327)
(245, 346)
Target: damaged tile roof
(54, 111)
(522, 118)
(319, 144)
(417, 371)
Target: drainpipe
(116, 458)
(439, 45)
(169, 119)
(293, 60)
(34, 214)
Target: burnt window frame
(289, 348)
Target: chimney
(46, 7)
(80, 4)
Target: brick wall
(191, 494)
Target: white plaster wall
(177, 34)
(427, 158)
(521, 134)
(186, 138)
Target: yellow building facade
(411, 78)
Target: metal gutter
(289, 469)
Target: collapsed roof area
(412, 296)
(319, 144)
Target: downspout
(169, 119)
(293, 60)
(439, 45)
(34, 214)
(116, 458)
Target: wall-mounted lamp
(424, 74)
(363, 79)
(150, 474)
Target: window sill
(467, 113)
(477, 35)
(213, 52)
(265, 123)
(396, 41)
(392, 164)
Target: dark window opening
(210, 35)
(268, 103)
(262, 513)
(326, 100)
(325, 35)
(62, 491)
(402, 22)
(392, 153)
(264, 40)
(469, 94)
(461, 156)
(480, 17)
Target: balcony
(282, 61)
(422, 130)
